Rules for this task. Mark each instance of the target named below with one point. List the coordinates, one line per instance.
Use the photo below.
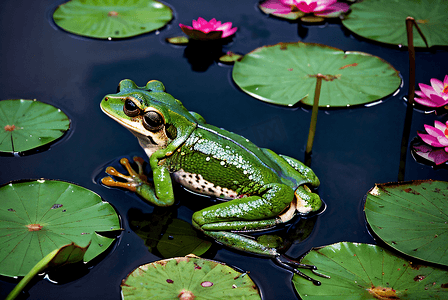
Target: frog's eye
(130, 108)
(153, 121)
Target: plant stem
(312, 132)
(39, 267)
(409, 22)
(411, 93)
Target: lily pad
(37, 217)
(112, 19)
(411, 217)
(384, 21)
(285, 74)
(362, 271)
(28, 124)
(188, 278)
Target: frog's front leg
(137, 182)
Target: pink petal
(202, 21)
(336, 9)
(225, 26)
(426, 89)
(443, 140)
(324, 4)
(426, 102)
(437, 85)
(306, 8)
(438, 100)
(229, 32)
(433, 131)
(445, 81)
(439, 125)
(182, 26)
(430, 140)
(278, 6)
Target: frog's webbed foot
(294, 266)
(132, 181)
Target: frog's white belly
(196, 183)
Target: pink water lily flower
(435, 95)
(321, 8)
(208, 30)
(437, 137)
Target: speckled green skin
(262, 183)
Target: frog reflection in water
(263, 188)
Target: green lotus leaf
(411, 217)
(37, 217)
(28, 124)
(230, 57)
(285, 74)
(384, 21)
(362, 271)
(107, 19)
(188, 278)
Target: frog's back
(229, 162)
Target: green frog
(260, 188)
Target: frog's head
(152, 115)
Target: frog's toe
(307, 201)
(108, 181)
(132, 181)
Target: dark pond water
(353, 149)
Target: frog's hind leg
(304, 170)
(300, 175)
(293, 168)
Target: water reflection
(405, 141)
(202, 54)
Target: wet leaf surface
(188, 278)
(105, 19)
(411, 217)
(363, 271)
(285, 74)
(37, 217)
(384, 21)
(28, 124)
